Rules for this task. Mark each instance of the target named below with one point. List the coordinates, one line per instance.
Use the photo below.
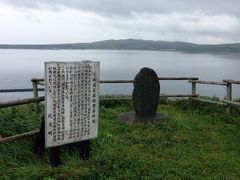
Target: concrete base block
(131, 117)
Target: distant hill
(135, 44)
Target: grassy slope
(197, 143)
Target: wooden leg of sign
(85, 149)
(39, 145)
(54, 156)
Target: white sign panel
(72, 102)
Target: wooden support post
(229, 96)
(54, 156)
(194, 88)
(39, 145)
(194, 93)
(35, 94)
(85, 149)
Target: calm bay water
(17, 67)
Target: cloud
(184, 27)
(55, 21)
(126, 7)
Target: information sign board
(71, 102)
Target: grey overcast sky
(63, 21)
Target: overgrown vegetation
(200, 142)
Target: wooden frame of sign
(71, 105)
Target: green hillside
(135, 44)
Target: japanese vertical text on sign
(72, 102)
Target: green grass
(199, 142)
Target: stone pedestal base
(131, 117)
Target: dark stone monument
(146, 92)
(145, 98)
